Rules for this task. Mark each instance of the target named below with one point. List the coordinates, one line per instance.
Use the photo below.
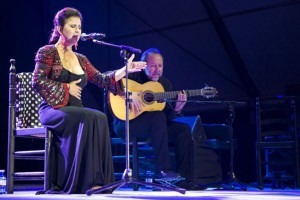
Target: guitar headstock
(209, 92)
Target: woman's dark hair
(150, 52)
(60, 20)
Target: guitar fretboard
(173, 94)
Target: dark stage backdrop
(243, 48)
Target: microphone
(131, 49)
(91, 36)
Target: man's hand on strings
(181, 101)
(136, 104)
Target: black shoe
(167, 174)
(189, 185)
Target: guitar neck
(173, 94)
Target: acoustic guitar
(152, 95)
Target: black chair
(24, 126)
(277, 148)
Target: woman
(82, 156)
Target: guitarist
(158, 125)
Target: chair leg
(258, 167)
(135, 161)
(297, 154)
(47, 164)
(10, 157)
(10, 168)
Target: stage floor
(126, 193)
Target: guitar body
(117, 103)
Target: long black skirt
(81, 155)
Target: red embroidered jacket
(48, 68)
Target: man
(158, 125)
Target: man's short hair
(150, 52)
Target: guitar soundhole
(148, 97)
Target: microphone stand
(126, 51)
(232, 179)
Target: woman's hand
(181, 101)
(135, 66)
(132, 67)
(74, 89)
